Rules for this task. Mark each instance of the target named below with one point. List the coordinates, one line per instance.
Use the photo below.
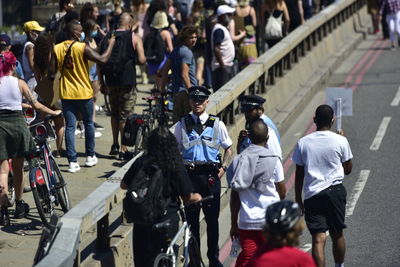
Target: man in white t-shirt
(322, 159)
(256, 178)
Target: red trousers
(250, 240)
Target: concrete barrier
(287, 75)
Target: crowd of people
(191, 50)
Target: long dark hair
(162, 148)
(43, 48)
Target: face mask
(94, 33)
(82, 37)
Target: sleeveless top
(29, 76)
(227, 48)
(11, 96)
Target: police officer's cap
(249, 102)
(198, 93)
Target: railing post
(103, 240)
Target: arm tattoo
(31, 98)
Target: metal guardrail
(258, 78)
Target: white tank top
(28, 72)
(227, 48)
(11, 96)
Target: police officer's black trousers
(211, 213)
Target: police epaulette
(210, 121)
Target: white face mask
(82, 38)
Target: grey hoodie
(253, 168)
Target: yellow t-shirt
(74, 83)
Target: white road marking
(396, 99)
(380, 134)
(357, 190)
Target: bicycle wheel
(41, 195)
(163, 260)
(140, 137)
(194, 254)
(61, 186)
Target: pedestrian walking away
(162, 151)
(200, 136)
(120, 77)
(256, 177)
(322, 159)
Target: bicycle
(48, 190)
(47, 238)
(191, 252)
(156, 114)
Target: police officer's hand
(221, 173)
(242, 135)
(341, 132)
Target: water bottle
(235, 247)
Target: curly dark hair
(43, 48)
(162, 148)
(186, 33)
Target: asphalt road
(373, 198)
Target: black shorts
(326, 210)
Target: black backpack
(131, 129)
(147, 197)
(154, 47)
(120, 67)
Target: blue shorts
(93, 73)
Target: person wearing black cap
(283, 227)
(252, 106)
(199, 137)
(5, 45)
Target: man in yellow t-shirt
(76, 92)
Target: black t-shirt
(179, 182)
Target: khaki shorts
(122, 101)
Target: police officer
(252, 106)
(200, 136)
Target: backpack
(154, 47)
(54, 24)
(120, 67)
(273, 28)
(146, 199)
(131, 129)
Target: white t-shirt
(322, 154)
(253, 204)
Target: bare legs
(338, 247)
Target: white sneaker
(97, 134)
(91, 161)
(73, 167)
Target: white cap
(225, 9)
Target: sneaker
(21, 209)
(91, 161)
(98, 126)
(97, 134)
(114, 149)
(74, 167)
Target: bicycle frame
(184, 229)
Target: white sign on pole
(341, 100)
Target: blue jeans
(70, 110)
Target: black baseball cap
(198, 93)
(5, 40)
(249, 102)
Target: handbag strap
(67, 55)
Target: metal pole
(338, 114)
